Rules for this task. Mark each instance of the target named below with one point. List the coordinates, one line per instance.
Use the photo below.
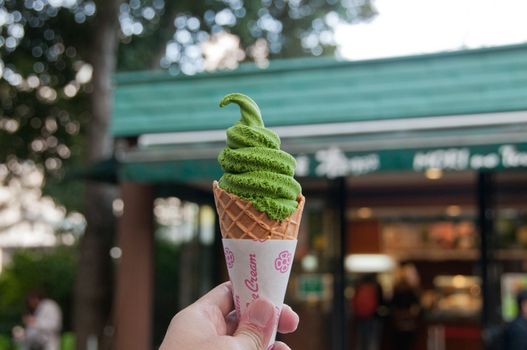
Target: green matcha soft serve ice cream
(255, 167)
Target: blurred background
(407, 118)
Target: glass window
(184, 243)
(310, 290)
(511, 239)
(416, 235)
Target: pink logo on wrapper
(229, 257)
(252, 282)
(283, 261)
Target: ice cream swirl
(255, 168)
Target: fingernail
(260, 313)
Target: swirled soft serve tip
(255, 168)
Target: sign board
(333, 162)
(314, 287)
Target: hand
(210, 324)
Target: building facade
(414, 160)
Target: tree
(93, 291)
(46, 49)
(57, 57)
(27, 218)
(174, 36)
(43, 90)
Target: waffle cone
(240, 220)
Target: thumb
(257, 325)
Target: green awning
(455, 111)
(311, 91)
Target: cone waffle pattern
(240, 220)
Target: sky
(405, 27)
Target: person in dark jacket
(405, 307)
(516, 332)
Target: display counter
(452, 314)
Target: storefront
(418, 160)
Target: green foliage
(289, 29)
(67, 341)
(5, 343)
(43, 105)
(68, 193)
(52, 271)
(38, 65)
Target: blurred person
(211, 324)
(405, 307)
(43, 323)
(367, 300)
(516, 331)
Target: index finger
(220, 297)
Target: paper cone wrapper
(259, 268)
